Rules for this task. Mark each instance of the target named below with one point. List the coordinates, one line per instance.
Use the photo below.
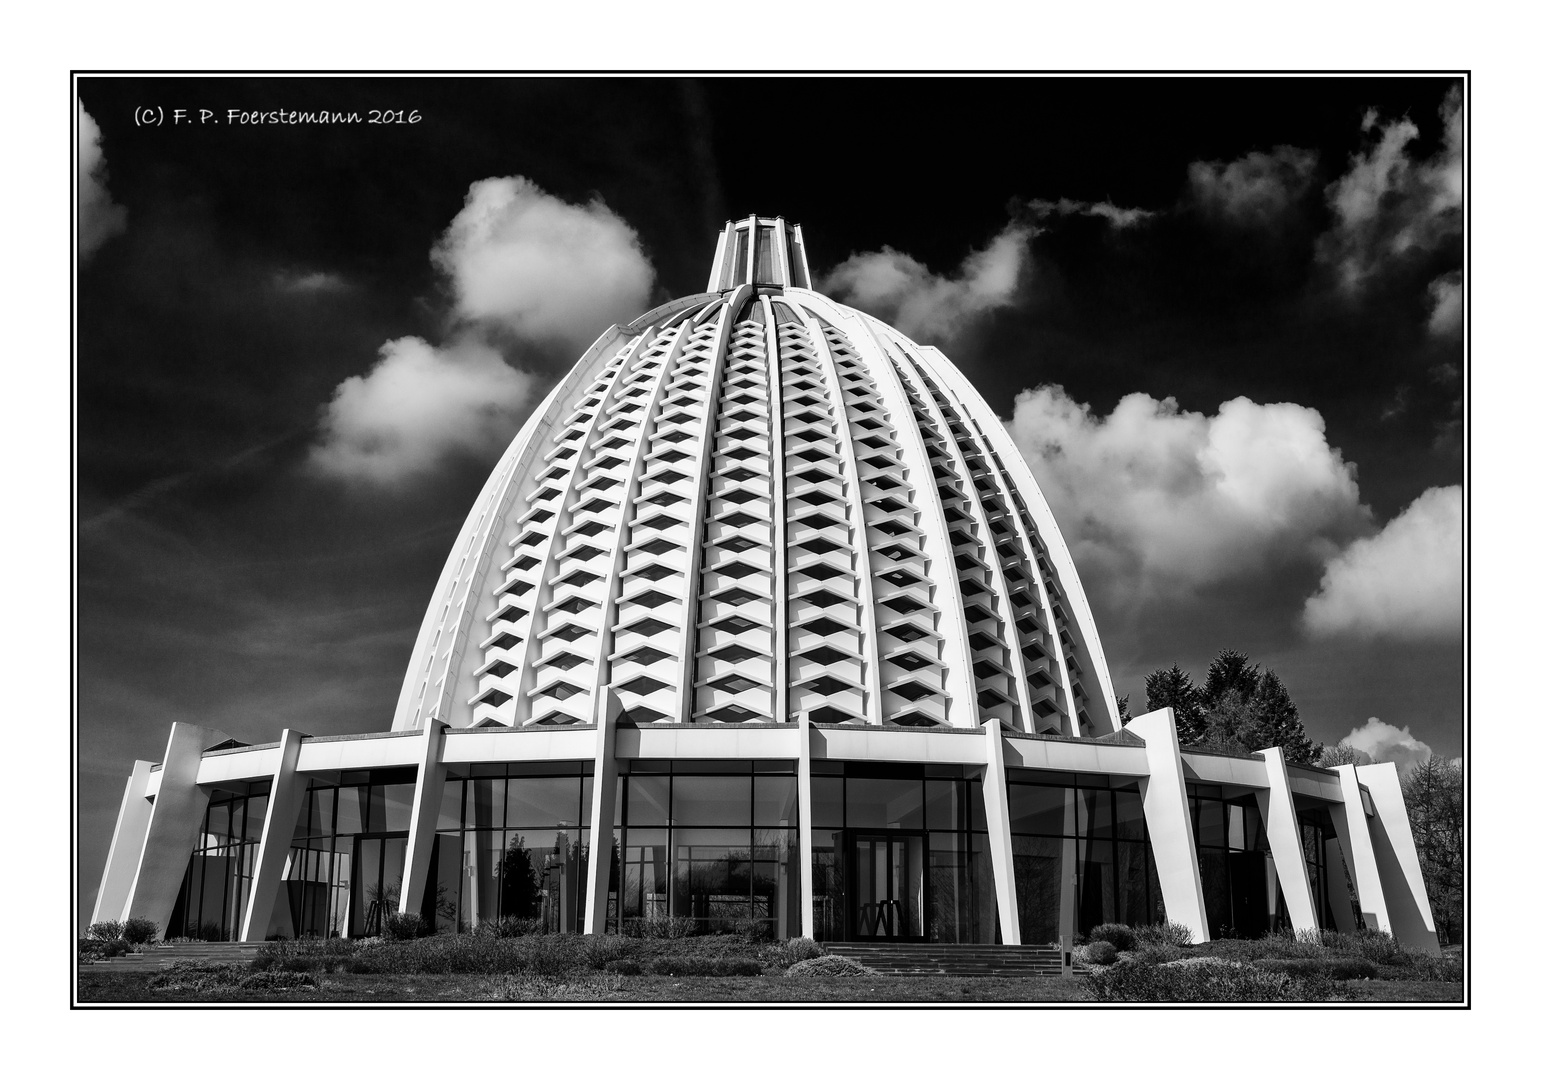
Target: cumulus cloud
(929, 306)
(1446, 308)
(100, 218)
(541, 268)
(1117, 216)
(1383, 742)
(418, 405)
(525, 269)
(1159, 501)
(1388, 204)
(1402, 583)
(1256, 190)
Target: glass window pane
(1096, 813)
(446, 904)
(828, 802)
(1129, 814)
(486, 809)
(256, 813)
(647, 800)
(1047, 811)
(350, 816)
(1041, 881)
(884, 804)
(711, 800)
(395, 805)
(323, 814)
(544, 801)
(944, 804)
(449, 807)
(775, 801)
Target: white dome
(751, 504)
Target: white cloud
(417, 406)
(521, 263)
(1119, 217)
(1404, 582)
(100, 217)
(1383, 742)
(897, 287)
(544, 269)
(1388, 204)
(1447, 310)
(1256, 190)
(1156, 501)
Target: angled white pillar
(173, 827)
(601, 814)
(805, 821)
(1396, 858)
(427, 798)
(998, 821)
(127, 842)
(1353, 828)
(1277, 805)
(1164, 796)
(285, 800)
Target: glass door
(379, 866)
(888, 902)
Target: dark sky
(223, 582)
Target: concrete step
(167, 954)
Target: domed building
(763, 602)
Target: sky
(1222, 318)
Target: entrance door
(888, 902)
(379, 866)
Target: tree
(1277, 721)
(1123, 710)
(1228, 671)
(1342, 754)
(1239, 709)
(1172, 689)
(1434, 794)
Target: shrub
(624, 967)
(211, 931)
(838, 967)
(140, 931)
(784, 954)
(278, 980)
(509, 927)
(684, 964)
(1336, 968)
(606, 949)
(92, 949)
(399, 926)
(1206, 980)
(1117, 935)
(310, 954)
(108, 930)
(199, 976)
(671, 927)
(1421, 968)
(1101, 952)
(1168, 933)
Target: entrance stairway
(162, 956)
(925, 958)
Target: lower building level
(840, 833)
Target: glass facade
(714, 842)
(1242, 896)
(1081, 854)
(901, 852)
(212, 900)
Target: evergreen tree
(1228, 671)
(1123, 710)
(1277, 722)
(1172, 689)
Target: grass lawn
(104, 987)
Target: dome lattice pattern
(755, 504)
